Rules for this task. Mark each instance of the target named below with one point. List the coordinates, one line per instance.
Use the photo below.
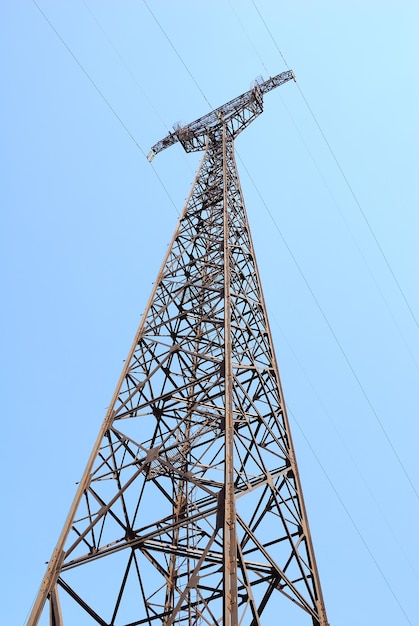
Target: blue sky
(86, 221)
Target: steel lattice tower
(190, 510)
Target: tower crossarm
(236, 115)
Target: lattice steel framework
(190, 510)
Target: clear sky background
(86, 221)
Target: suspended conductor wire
(130, 72)
(177, 54)
(105, 100)
(349, 186)
(377, 565)
(323, 314)
(359, 207)
(89, 78)
(343, 443)
(136, 81)
(327, 186)
(270, 34)
(362, 255)
(248, 38)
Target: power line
(247, 37)
(364, 542)
(349, 186)
(89, 78)
(130, 72)
(323, 314)
(137, 83)
(359, 207)
(270, 34)
(178, 55)
(362, 255)
(343, 443)
(325, 183)
(105, 100)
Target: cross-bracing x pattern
(155, 503)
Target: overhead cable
(105, 100)
(348, 184)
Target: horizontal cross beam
(236, 114)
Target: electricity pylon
(190, 511)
